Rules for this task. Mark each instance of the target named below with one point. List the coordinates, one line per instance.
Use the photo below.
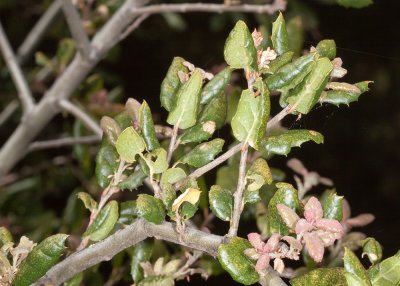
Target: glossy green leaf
(141, 252)
(172, 83)
(372, 248)
(184, 113)
(292, 74)
(286, 195)
(106, 163)
(327, 48)
(321, 277)
(211, 119)
(279, 62)
(283, 143)
(355, 3)
(232, 103)
(103, 223)
(129, 144)
(127, 212)
(88, 201)
(258, 175)
(355, 271)
(147, 126)
(134, 181)
(40, 259)
(203, 153)
(239, 51)
(279, 36)
(236, 263)
(216, 85)
(387, 272)
(306, 95)
(160, 280)
(295, 29)
(337, 97)
(332, 205)
(150, 208)
(221, 202)
(251, 117)
(160, 163)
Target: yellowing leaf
(191, 195)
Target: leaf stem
(238, 195)
(172, 143)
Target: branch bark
(18, 77)
(76, 28)
(62, 142)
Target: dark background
(361, 150)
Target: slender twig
(172, 143)
(8, 111)
(62, 142)
(276, 6)
(76, 28)
(133, 26)
(36, 34)
(238, 195)
(24, 92)
(81, 115)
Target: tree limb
(24, 92)
(36, 34)
(62, 142)
(81, 115)
(8, 111)
(76, 28)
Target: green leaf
(283, 143)
(292, 74)
(332, 205)
(327, 48)
(225, 175)
(203, 153)
(160, 164)
(134, 181)
(184, 113)
(5, 236)
(355, 271)
(286, 195)
(42, 60)
(150, 208)
(321, 277)
(129, 144)
(147, 126)
(260, 174)
(233, 100)
(160, 280)
(387, 272)
(295, 28)
(106, 163)
(103, 223)
(65, 52)
(337, 97)
(279, 62)
(141, 252)
(239, 51)
(216, 85)
(172, 175)
(110, 128)
(355, 3)
(373, 249)
(306, 95)
(279, 36)
(211, 119)
(40, 259)
(88, 201)
(236, 263)
(221, 202)
(127, 212)
(251, 117)
(172, 83)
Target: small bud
(372, 249)
(110, 128)
(132, 106)
(252, 253)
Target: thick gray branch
(76, 27)
(36, 34)
(24, 92)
